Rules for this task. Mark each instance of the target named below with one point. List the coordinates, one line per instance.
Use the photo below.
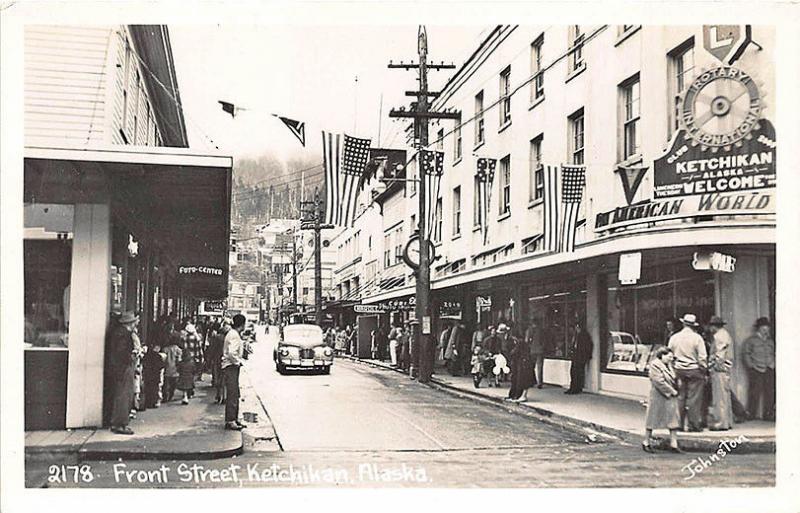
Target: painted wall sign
(742, 203)
(630, 268)
(714, 261)
(726, 42)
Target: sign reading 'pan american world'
(723, 145)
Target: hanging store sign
(630, 268)
(450, 308)
(203, 270)
(726, 42)
(714, 261)
(370, 309)
(728, 204)
(723, 144)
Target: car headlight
(327, 351)
(284, 352)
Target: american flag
(345, 159)
(563, 191)
(485, 176)
(431, 164)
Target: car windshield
(302, 334)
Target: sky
(306, 73)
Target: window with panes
(437, 223)
(457, 142)
(631, 109)
(457, 210)
(536, 170)
(576, 44)
(537, 86)
(682, 71)
(505, 96)
(479, 123)
(576, 137)
(505, 185)
(477, 212)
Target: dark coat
(186, 375)
(522, 370)
(121, 362)
(582, 352)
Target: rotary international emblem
(720, 109)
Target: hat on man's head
(716, 320)
(762, 321)
(128, 318)
(502, 328)
(689, 319)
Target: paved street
(362, 426)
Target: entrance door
(366, 324)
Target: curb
(754, 445)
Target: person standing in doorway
(759, 358)
(720, 363)
(122, 358)
(535, 339)
(232, 361)
(394, 343)
(690, 367)
(582, 347)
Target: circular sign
(411, 253)
(720, 108)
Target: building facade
(677, 213)
(119, 214)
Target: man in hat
(720, 363)
(759, 358)
(581, 349)
(122, 355)
(691, 361)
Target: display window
(643, 316)
(557, 308)
(47, 246)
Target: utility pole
(314, 222)
(420, 113)
(294, 268)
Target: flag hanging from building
(573, 182)
(345, 160)
(230, 108)
(298, 128)
(485, 176)
(432, 167)
(551, 200)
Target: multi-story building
(118, 213)
(677, 213)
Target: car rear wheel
(280, 368)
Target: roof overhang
(172, 198)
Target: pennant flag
(230, 108)
(631, 178)
(431, 164)
(345, 160)
(573, 181)
(298, 128)
(485, 175)
(551, 195)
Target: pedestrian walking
(373, 344)
(232, 361)
(453, 351)
(720, 363)
(478, 336)
(186, 376)
(663, 409)
(193, 346)
(477, 364)
(690, 367)
(464, 342)
(522, 371)
(122, 358)
(352, 339)
(534, 336)
(581, 349)
(173, 355)
(759, 358)
(153, 366)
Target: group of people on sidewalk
(342, 340)
(682, 371)
(146, 376)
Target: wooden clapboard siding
(66, 80)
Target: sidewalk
(617, 417)
(172, 431)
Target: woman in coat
(522, 371)
(662, 408)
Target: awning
(171, 198)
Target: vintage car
(303, 347)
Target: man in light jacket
(691, 362)
(232, 360)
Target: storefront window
(638, 314)
(556, 308)
(47, 266)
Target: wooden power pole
(314, 222)
(420, 113)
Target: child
(174, 355)
(477, 362)
(186, 376)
